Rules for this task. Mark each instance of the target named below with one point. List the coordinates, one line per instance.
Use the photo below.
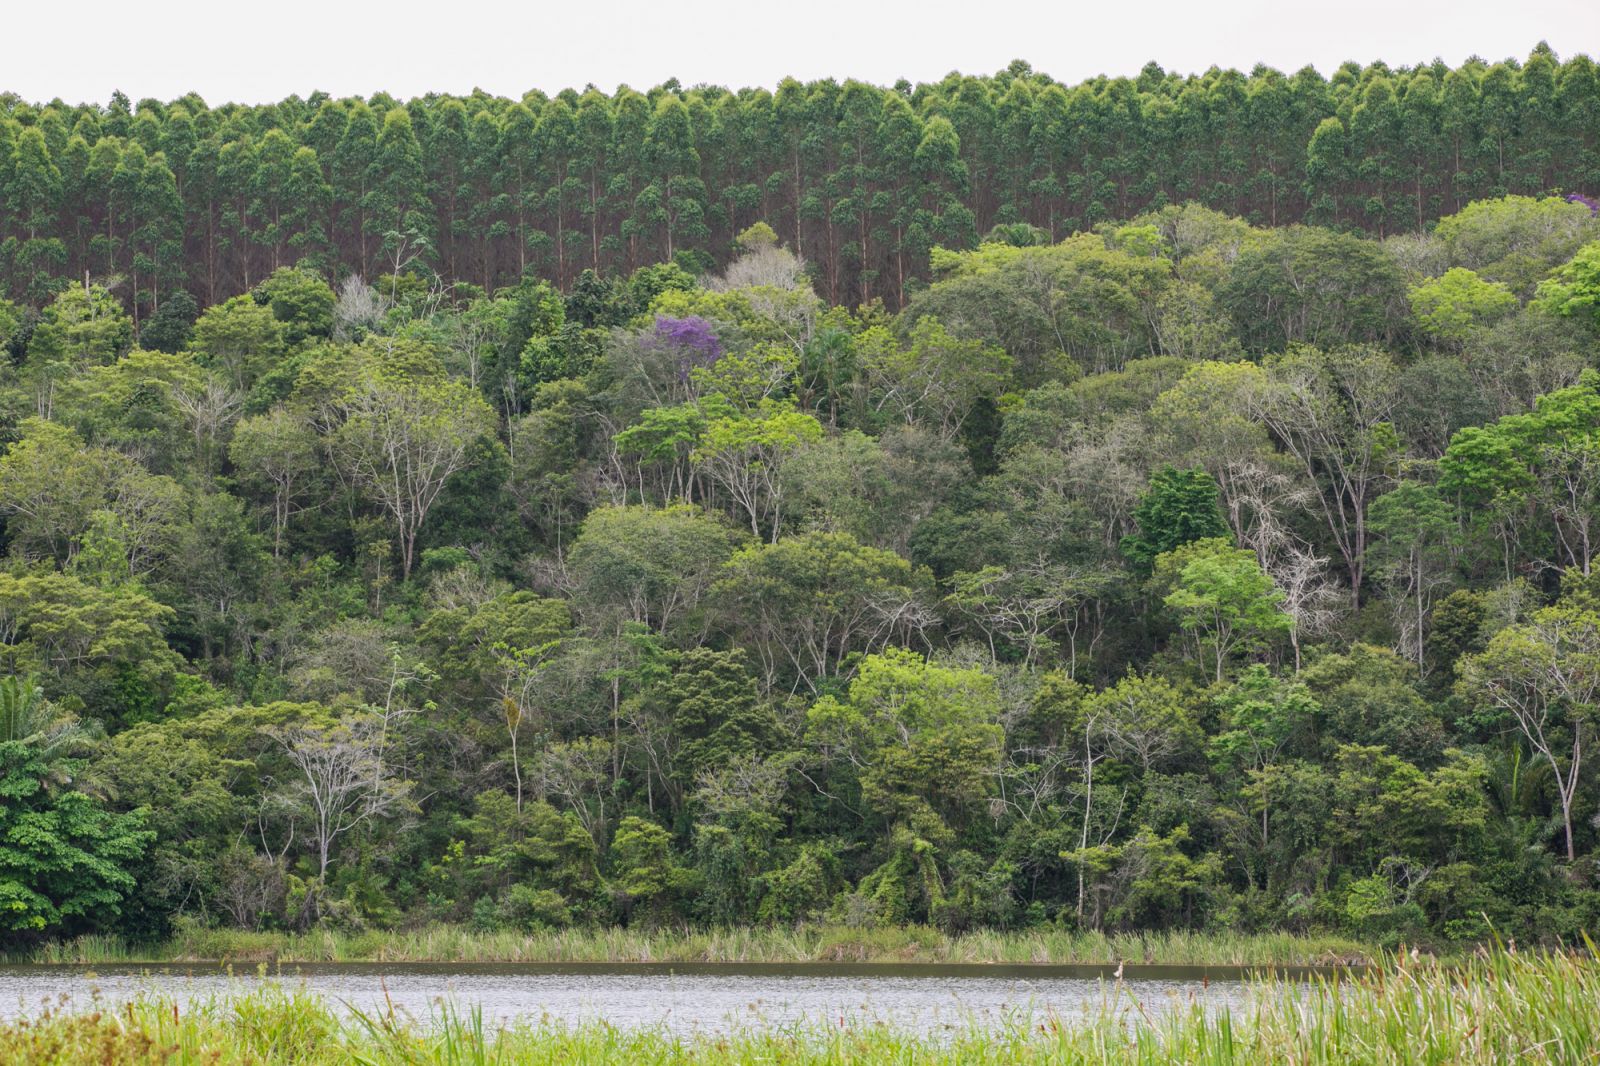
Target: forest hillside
(1151, 504)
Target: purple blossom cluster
(691, 339)
(1587, 201)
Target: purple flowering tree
(1587, 201)
(691, 339)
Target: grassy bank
(808, 944)
(1537, 1009)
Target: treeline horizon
(860, 181)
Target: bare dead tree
(343, 782)
(211, 407)
(1546, 676)
(1331, 412)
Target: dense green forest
(373, 559)
(860, 180)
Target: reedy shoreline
(448, 943)
(1488, 1008)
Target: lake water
(680, 997)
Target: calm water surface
(679, 997)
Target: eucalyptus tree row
(860, 180)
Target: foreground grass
(806, 944)
(1489, 1009)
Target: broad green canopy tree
(806, 603)
(646, 877)
(1574, 289)
(1302, 285)
(743, 455)
(52, 486)
(921, 740)
(1544, 464)
(1056, 311)
(82, 327)
(301, 301)
(651, 566)
(934, 378)
(1180, 507)
(1516, 240)
(1222, 599)
(240, 339)
(156, 407)
(63, 857)
(1455, 304)
(718, 717)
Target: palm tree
(28, 719)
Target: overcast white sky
(259, 50)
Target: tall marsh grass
(1492, 1008)
(446, 943)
